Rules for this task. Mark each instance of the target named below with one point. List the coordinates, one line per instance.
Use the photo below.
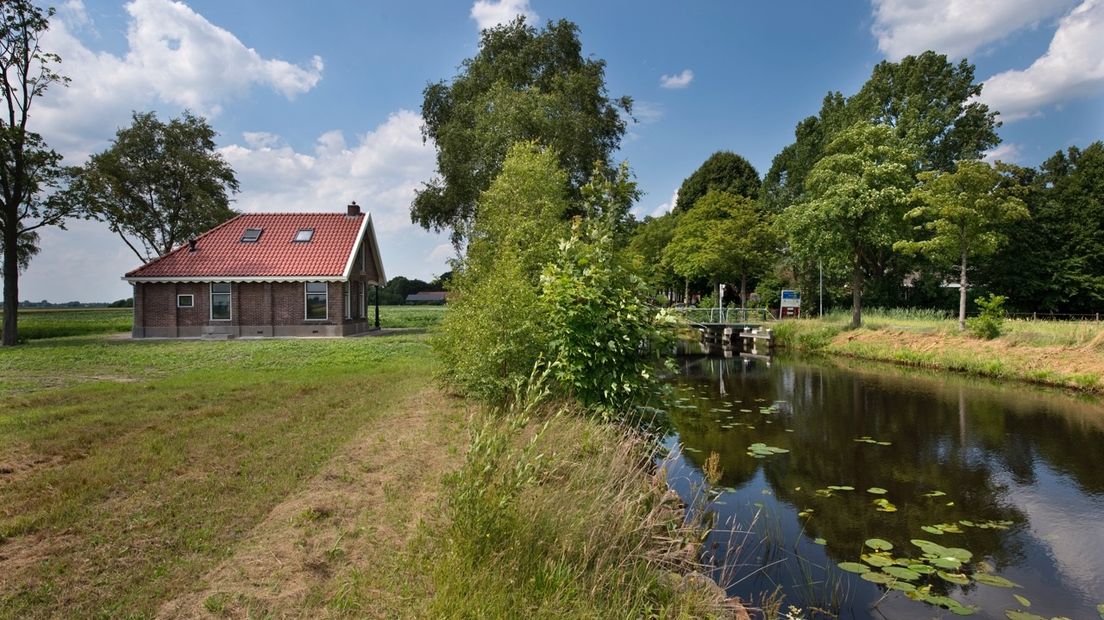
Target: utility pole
(820, 264)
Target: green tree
(30, 172)
(932, 105)
(961, 214)
(724, 171)
(523, 84)
(159, 183)
(856, 198)
(722, 238)
(495, 330)
(644, 253)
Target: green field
(36, 324)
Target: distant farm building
(264, 274)
(427, 298)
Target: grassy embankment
(1066, 354)
(307, 478)
(36, 324)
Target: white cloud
(666, 207)
(1072, 67)
(489, 13)
(647, 112)
(174, 56)
(1007, 152)
(680, 80)
(954, 27)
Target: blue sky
(317, 103)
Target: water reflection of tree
(936, 445)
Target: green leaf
(1100, 610)
(877, 490)
(957, 578)
(1015, 614)
(994, 580)
(1022, 600)
(878, 544)
(854, 567)
(820, 541)
(873, 577)
(876, 560)
(901, 572)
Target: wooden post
(377, 307)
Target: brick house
(264, 274)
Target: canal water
(877, 492)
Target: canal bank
(1069, 355)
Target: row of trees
(156, 186)
(886, 195)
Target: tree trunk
(686, 292)
(743, 297)
(11, 283)
(962, 295)
(856, 292)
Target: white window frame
(346, 293)
(307, 293)
(191, 300)
(229, 301)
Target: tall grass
(554, 515)
(38, 324)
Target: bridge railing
(725, 315)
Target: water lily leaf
(903, 586)
(884, 505)
(883, 443)
(876, 560)
(960, 554)
(994, 580)
(878, 544)
(1100, 610)
(959, 610)
(873, 577)
(841, 487)
(877, 491)
(957, 578)
(923, 569)
(932, 530)
(854, 567)
(820, 541)
(928, 546)
(1015, 614)
(948, 563)
(934, 494)
(941, 601)
(1022, 600)
(901, 572)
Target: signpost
(790, 305)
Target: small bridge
(729, 331)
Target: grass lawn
(36, 324)
(130, 472)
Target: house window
(251, 235)
(220, 301)
(185, 301)
(304, 235)
(345, 292)
(317, 300)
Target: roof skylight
(304, 235)
(251, 235)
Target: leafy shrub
(990, 323)
(605, 338)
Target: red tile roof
(220, 253)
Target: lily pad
(1015, 614)
(932, 530)
(841, 487)
(901, 572)
(1022, 600)
(957, 578)
(884, 505)
(994, 580)
(854, 567)
(878, 544)
(928, 546)
(820, 541)
(923, 569)
(874, 559)
(902, 586)
(948, 563)
(877, 491)
(873, 577)
(1100, 610)
(960, 554)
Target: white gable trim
(367, 232)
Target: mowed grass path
(128, 470)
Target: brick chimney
(353, 209)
